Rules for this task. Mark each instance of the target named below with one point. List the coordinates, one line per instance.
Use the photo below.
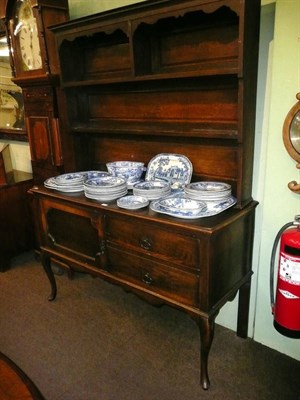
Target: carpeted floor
(96, 342)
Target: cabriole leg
(206, 328)
(46, 262)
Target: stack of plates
(70, 183)
(105, 188)
(152, 190)
(208, 191)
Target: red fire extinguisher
(286, 308)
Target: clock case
(46, 13)
(51, 151)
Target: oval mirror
(291, 131)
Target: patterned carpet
(96, 342)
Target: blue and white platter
(173, 168)
(211, 208)
(184, 206)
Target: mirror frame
(286, 131)
(288, 141)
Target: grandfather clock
(36, 71)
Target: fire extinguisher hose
(273, 255)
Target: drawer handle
(145, 244)
(52, 238)
(147, 279)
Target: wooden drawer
(163, 280)
(154, 241)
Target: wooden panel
(153, 241)
(107, 59)
(69, 232)
(181, 106)
(164, 280)
(209, 159)
(99, 55)
(215, 105)
(206, 42)
(39, 138)
(16, 229)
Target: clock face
(27, 35)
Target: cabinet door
(73, 234)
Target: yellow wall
(79, 8)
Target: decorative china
(182, 205)
(152, 190)
(67, 183)
(129, 170)
(196, 200)
(95, 174)
(71, 178)
(132, 202)
(212, 208)
(208, 190)
(168, 167)
(105, 188)
(73, 182)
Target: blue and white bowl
(131, 171)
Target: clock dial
(27, 34)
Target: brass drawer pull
(145, 244)
(147, 279)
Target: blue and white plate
(208, 187)
(72, 178)
(212, 208)
(105, 182)
(152, 190)
(132, 202)
(208, 190)
(94, 174)
(173, 168)
(182, 205)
